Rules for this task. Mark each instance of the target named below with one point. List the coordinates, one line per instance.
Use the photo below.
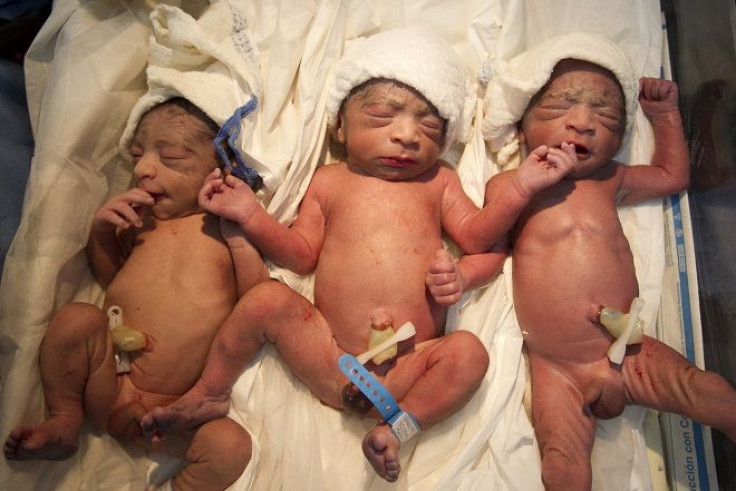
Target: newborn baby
(570, 255)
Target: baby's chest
(384, 204)
(580, 210)
(184, 263)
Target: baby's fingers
(215, 174)
(436, 280)
(657, 89)
(443, 262)
(233, 181)
(123, 210)
(562, 159)
(568, 148)
(446, 294)
(209, 189)
(121, 216)
(658, 97)
(137, 196)
(442, 279)
(540, 152)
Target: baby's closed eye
(609, 117)
(431, 122)
(432, 126)
(380, 117)
(553, 111)
(556, 105)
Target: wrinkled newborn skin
(570, 256)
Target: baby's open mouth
(581, 150)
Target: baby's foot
(189, 411)
(381, 448)
(51, 440)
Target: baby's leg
(430, 384)
(658, 377)
(216, 454)
(440, 378)
(78, 374)
(564, 427)
(271, 312)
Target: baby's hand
(545, 167)
(227, 197)
(658, 96)
(123, 210)
(444, 280)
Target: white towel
(417, 58)
(210, 61)
(513, 84)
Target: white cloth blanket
(86, 70)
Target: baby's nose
(145, 167)
(580, 117)
(405, 129)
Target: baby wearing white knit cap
(371, 229)
(570, 102)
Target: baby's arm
(669, 171)
(507, 194)
(447, 279)
(296, 248)
(250, 269)
(105, 251)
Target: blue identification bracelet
(403, 425)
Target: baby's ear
(520, 131)
(338, 133)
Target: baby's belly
(556, 293)
(348, 293)
(179, 327)
(168, 367)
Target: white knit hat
(513, 85)
(417, 58)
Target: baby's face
(582, 104)
(390, 131)
(173, 153)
